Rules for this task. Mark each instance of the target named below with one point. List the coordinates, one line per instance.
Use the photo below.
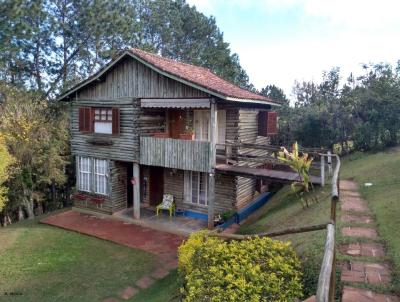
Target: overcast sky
(280, 41)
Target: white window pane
(101, 127)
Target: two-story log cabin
(145, 125)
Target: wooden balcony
(191, 155)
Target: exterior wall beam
(211, 176)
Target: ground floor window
(84, 174)
(92, 175)
(101, 175)
(196, 187)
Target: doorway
(176, 123)
(156, 185)
(129, 186)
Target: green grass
(164, 290)
(383, 170)
(44, 263)
(284, 210)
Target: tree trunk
(20, 213)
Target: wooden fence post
(322, 170)
(330, 162)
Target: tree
(275, 93)
(49, 45)
(5, 163)
(38, 140)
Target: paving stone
(160, 273)
(348, 185)
(145, 282)
(351, 294)
(355, 204)
(349, 194)
(359, 232)
(363, 249)
(361, 272)
(128, 293)
(357, 218)
(110, 300)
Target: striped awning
(175, 103)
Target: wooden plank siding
(122, 87)
(175, 153)
(132, 79)
(224, 192)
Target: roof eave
(167, 74)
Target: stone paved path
(163, 245)
(359, 228)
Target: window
(99, 120)
(103, 120)
(196, 187)
(97, 168)
(85, 173)
(202, 125)
(100, 174)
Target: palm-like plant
(300, 163)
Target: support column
(211, 175)
(330, 162)
(322, 170)
(136, 191)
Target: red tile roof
(199, 76)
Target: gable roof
(198, 77)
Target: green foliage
(5, 163)
(50, 45)
(37, 137)
(363, 112)
(259, 269)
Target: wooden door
(156, 188)
(176, 120)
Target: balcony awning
(175, 103)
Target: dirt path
(365, 265)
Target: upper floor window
(103, 120)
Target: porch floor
(176, 224)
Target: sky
(280, 41)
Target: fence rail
(327, 277)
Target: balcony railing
(175, 153)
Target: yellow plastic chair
(167, 204)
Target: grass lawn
(44, 263)
(284, 210)
(383, 170)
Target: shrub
(259, 269)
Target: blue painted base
(196, 215)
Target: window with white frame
(196, 187)
(101, 175)
(103, 120)
(84, 174)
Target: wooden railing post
(329, 162)
(322, 170)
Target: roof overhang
(175, 103)
(171, 76)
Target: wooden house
(145, 125)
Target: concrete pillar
(211, 175)
(136, 191)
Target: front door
(176, 120)
(156, 188)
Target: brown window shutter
(115, 121)
(90, 114)
(81, 119)
(272, 123)
(262, 123)
(85, 119)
